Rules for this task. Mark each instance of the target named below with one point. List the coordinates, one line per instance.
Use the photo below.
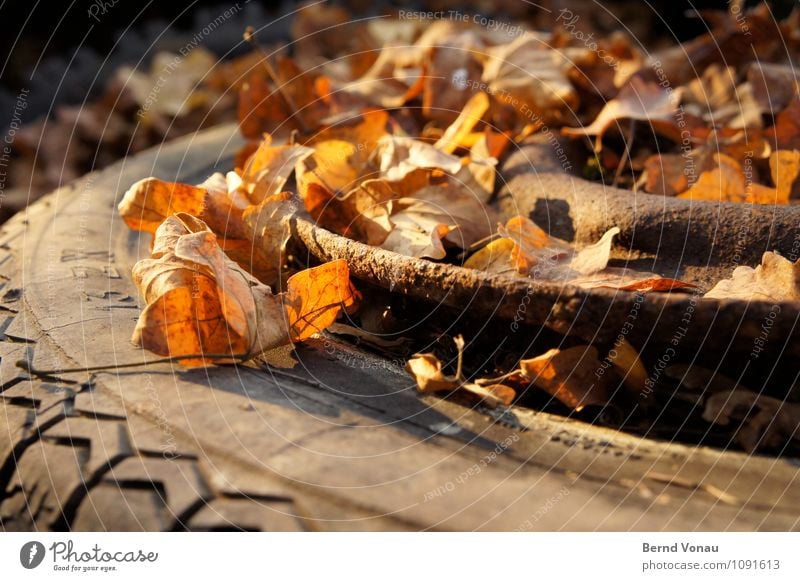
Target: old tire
(339, 442)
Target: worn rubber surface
(339, 442)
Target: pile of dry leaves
(391, 136)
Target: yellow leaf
(455, 135)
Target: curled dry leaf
(425, 219)
(533, 252)
(775, 279)
(399, 156)
(768, 422)
(267, 170)
(638, 100)
(526, 249)
(380, 86)
(200, 302)
(255, 236)
(426, 369)
(570, 375)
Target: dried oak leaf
(775, 279)
(199, 302)
(638, 100)
(570, 375)
(768, 423)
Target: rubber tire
(162, 448)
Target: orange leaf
(199, 302)
(568, 375)
(315, 297)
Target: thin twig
(28, 366)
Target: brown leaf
(728, 183)
(535, 253)
(422, 221)
(451, 58)
(666, 174)
(399, 156)
(198, 301)
(173, 95)
(629, 365)
(632, 281)
(426, 369)
(787, 126)
(314, 298)
(717, 99)
(342, 154)
(379, 86)
(640, 101)
(774, 85)
(775, 279)
(569, 375)
(263, 109)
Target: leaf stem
(28, 366)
